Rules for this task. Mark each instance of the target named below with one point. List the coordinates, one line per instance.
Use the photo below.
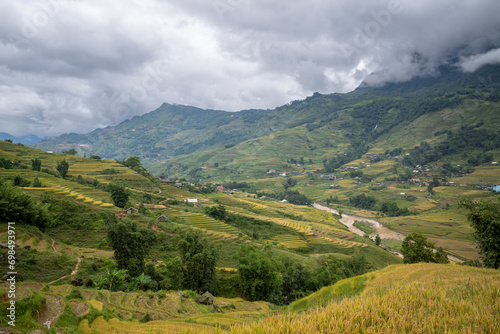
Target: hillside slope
(326, 124)
(418, 298)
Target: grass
(419, 298)
(290, 241)
(306, 235)
(207, 223)
(365, 227)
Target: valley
(192, 220)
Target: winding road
(380, 229)
(348, 221)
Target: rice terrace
(250, 167)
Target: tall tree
(130, 245)
(133, 162)
(71, 151)
(259, 273)
(416, 248)
(119, 195)
(62, 168)
(200, 258)
(36, 164)
(16, 206)
(485, 220)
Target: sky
(76, 65)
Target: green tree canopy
(259, 273)
(130, 244)
(133, 162)
(36, 164)
(71, 151)
(62, 168)
(485, 220)
(18, 207)
(416, 249)
(200, 259)
(119, 194)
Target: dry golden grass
(78, 307)
(96, 304)
(99, 325)
(419, 298)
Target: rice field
(171, 314)
(290, 241)
(204, 222)
(418, 298)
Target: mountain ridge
(358, 117)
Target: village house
(162, 218)
(130, 211)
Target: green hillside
(61, 231)
(317, 127)
(421, 298)
(304, 191)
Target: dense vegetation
(265, 248)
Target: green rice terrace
(193, 264)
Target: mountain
(317, 128)
(28, 139)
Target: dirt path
(53, 243)
(348, 221)
(78, 260)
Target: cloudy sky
(75, 65)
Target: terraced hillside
(418, 298)
(103, 311)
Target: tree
(485, 220)
(37, 183)
(296, 281)
(259, 274)
(172, 274)
(16, 206)
(71, 151)
(378, 240)
(4, 163)
(19, 181)
(133, 162)
(416, 249)
(62, 168)
(112, 281)
(199, 258)
(36, 164)
(130, 245)
(119, 195)
(289, 183)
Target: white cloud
(472, 63)
(72, 66)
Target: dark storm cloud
(72, 66)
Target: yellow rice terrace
(417, 298)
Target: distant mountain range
(29, 139)
(179, 140)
